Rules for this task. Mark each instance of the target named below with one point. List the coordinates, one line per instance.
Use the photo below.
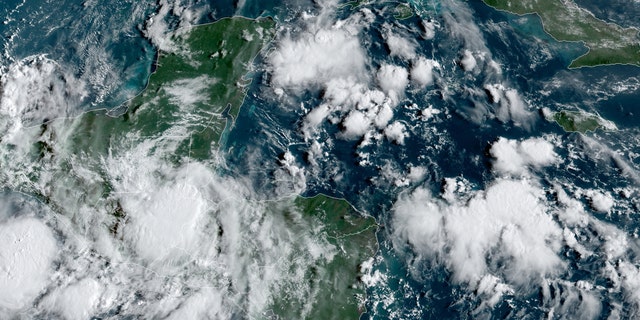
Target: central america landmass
(199, 87)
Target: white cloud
(600, 201)
(517, 108)
(355, 125)
(313, 119)
(26, 254)
(492, 288)
(495, 66)
(468, 61)
(599, 151)
(429, 29)
(161, 33)
(422, 71)
(187, 92)
(33, 90)
(516, 157)
(318, 55)
(629, 276)
(396, 132)
(417, 173)
(156, 28)
(459, 20)
(348, 93)
(77, 301)
(509, 105)
(164, 224)
(508, 222)
(327, 55)
(189, 240)
(399, 46)
(316, 153)
(391, 174)
(362, 106)
(385, 114)
(290, 178)
(510, 240)
(572, 213)
(370, 277)
(495, 92)
(393, 80)
(203, 244)
(453, 188)
(204, 304)
(571, 300)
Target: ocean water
(457, 146)
(112, 54)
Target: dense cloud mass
(34, 90)
(515, 157)
(436, 124)
(508, 222)
(26, 255)
(324, 51)
(184, 242)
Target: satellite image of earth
(320, 159)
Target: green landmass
(354, 4)
(575, 121)
(202, 78)
(69, 160)
(213, 58)
(564, 20)
(402, 12)
(337, 292)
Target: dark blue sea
(455, 144)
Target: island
(354, 4)
(608, 43)
(402, 12)
(580, 121)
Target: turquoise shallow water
(112, 47)
(519, 49)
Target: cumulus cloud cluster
(165, 239)
(468, 61)
(393, 80)
(187, 242)
(27, 252)
(396, 132)
(509, 105)
(493, 98)
(512, 239)
(422, 71)
(398, 45)
(327, 55)
(290, 176)
(505, 225)
(356, 95)
(322, 52)
(317, 57)
(517, 157)
(34, 90)
(79, 300)
(158, 28)
(600, 201)
(188, 92)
